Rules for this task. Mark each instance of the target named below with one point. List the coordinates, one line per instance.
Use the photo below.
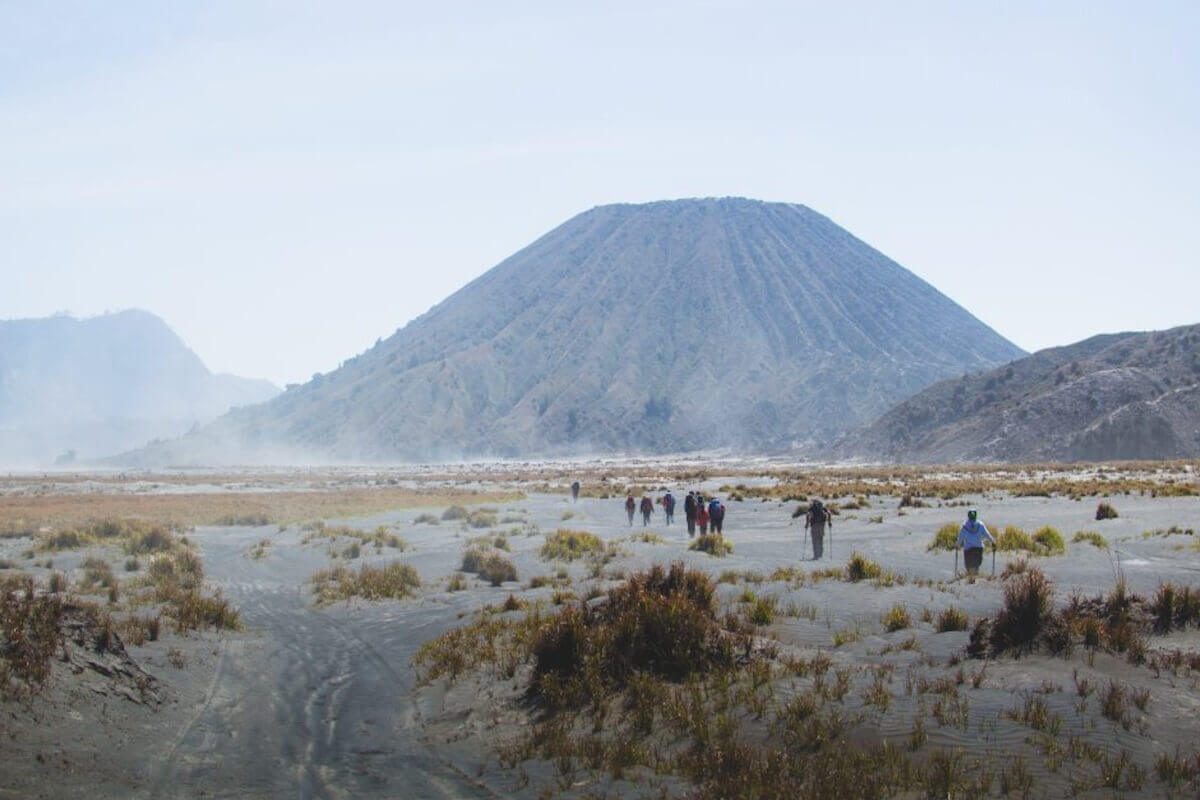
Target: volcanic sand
(324, 702)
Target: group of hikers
(700, 512)
(704, 513)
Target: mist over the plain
(74, 390)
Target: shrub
(473, 559)
(454, 512)
(1014, 539)
(481, 519)
(496, 569)
(395, 580)
(1162, 607)
(952, 619)
(57, 583)
(1028, 601)
(1049, 541)
(132, 564)
(897, 619)
(762, 610)
(1091, 536)
(1106, 511)
(30, 630)
(194, 611)
(712, 543)
(457, 582)
(568, 545)
(660, 622)
(426, 519)
(859, 568)
(155, 539)
(946, 538)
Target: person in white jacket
(970, 539)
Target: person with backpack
(668, 502)
(701, 514)
(575, 492)
(716, 515)
(630, 507)
(970, 539)
(816, 519)
(647, 509)
(689, 512)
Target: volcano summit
(663, 327)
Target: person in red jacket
(647, 509)
(702, 516)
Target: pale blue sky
(283, 182)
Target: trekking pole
(993, 560)
(831, 541)
(956, 561)
(804, 547)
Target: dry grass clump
(1106, 511)
(1049, 542)
(762, 610)
(489, 565)
(250, 520)
(1026, 616)
(393, 581)
(568, 545)
(1174, 607)
(951, 619)
(1096, 539)
(482, 518)
(659, 622)
(454, 513)
(426, 519)
(712, 543)
(1013, 539)
(29, 633)
(498, 541)
(860, 568)
(897, 618)
(946, 538)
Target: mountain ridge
(100, 385)
(1119, 396)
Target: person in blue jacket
(970, 539)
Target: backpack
(714, 509)
(818, 512)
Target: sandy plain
(325, 701)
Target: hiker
(689, 512)
(630, 507)
(647, 509)
(668, 502)
(716, 515)
(970, 539)
(701, 515)
(816, 519)
(575, 492)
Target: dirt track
(311, 703)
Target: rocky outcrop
(1111, 397)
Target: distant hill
(1118, 396)
(664, 327)
(103, 385)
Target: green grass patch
(568, 545)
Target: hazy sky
(283, 182)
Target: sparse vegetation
(946, 538)
(1106, 511)
(897, 618)
(29, 634)
(392, 581)
(712, 543)
(952, 619)
(1094, 538)
(860, 568)
(568, 545)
